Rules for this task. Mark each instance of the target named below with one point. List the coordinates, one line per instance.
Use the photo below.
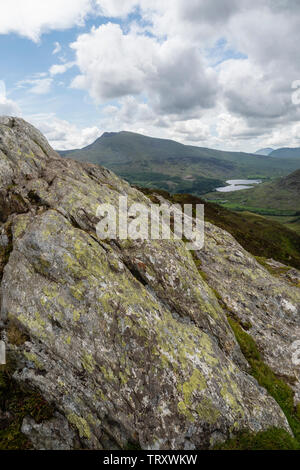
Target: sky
(215, 73)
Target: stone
(53, 434)
(125, 338)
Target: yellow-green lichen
(88, 362)
(35, 324)
(184, 410)
(33, 358)
(76, 315)
(81, 424)
(20, 224)
(196, 383)
(207, 411)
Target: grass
(272, 439)
(259, 210)
(277, 197)
(198, 185)
(18, 402)
(278, 200)
(276, 387)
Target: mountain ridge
(175, 167)
(286, 152)
(265, 151)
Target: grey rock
(126, 338)
(54, 434)
(270, 303)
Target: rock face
(270, 304)
(125, 338)
(54, 434)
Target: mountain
(291, 183)
(132, 344)
(264, 152)
(168, 165)
(286, 153)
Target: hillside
(132, 344)
(260, 236)
(168, 165)
(278, 200)
(265, 151)
(286, 153)
(282, 194)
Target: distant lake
(237, 185)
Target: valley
(167, 165)
(277, 200)
(174, 167)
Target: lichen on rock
(126, 340)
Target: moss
(5, 251)
(15, 335)
(108, 374)
(20, 224)
(19, 402)
(198, 264)
(132, 446)
(246, 342)
(196, 383)
(207, 411)
(217, 294)
(275, 386)
(272, 439)
(76, 316)
(203, 275)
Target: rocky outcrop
(268, 303)
(125, 338)
(53, 434)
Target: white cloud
(116, 8)
(193, 130)
(37, 86)
(112, 64)
(59, 69)
(63, 135)
(31, 18)
(253, 103)
(171, 74)
(158, 75)
(57, 48)
(7, 106)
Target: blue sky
(25, 60)
(203, 73)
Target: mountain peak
(265, 151)
(109, 134)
